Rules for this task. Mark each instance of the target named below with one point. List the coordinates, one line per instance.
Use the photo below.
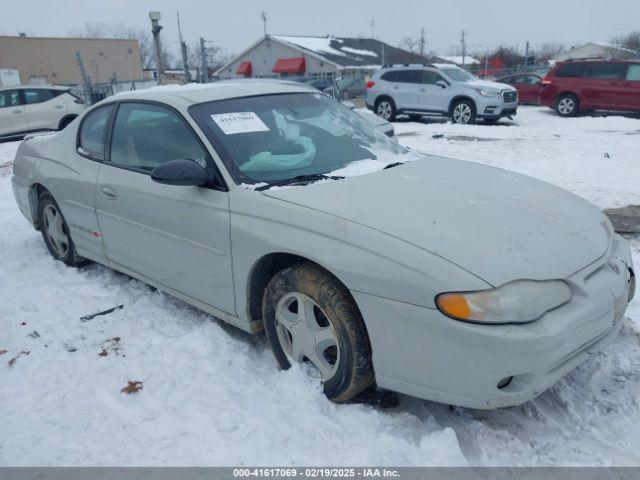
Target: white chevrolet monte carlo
(274, 207)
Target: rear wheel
(463, 112)
(386, 109)
(309, 317)
(567, 105)
(55, 231)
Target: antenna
(264, 22)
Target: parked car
(30, 109)
(319, 83)
(528, 85)
(580, 86)
(346, 88)
(358, 267)
(440, 90)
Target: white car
(27, 109)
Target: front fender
(365, 260)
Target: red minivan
(582, 85)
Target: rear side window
(389, 76)
(605, 71)
(93, 131)
(633, 72)
(409, 76)
(570, 70)
(146, 136)
(37, 96)
(9, 98)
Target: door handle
(423, 89)
(58, 107)
(108, 192)
(17, 110)
(395, 87)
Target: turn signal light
(455, 305)
(370, 83)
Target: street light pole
(155, 30)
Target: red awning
(290, 65)
(245, 69)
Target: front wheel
(463, 112)
(309, 317)
(567, 105)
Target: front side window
(93, 132)
(9, 98)
(605, 71)
(278, 137)
(431, 78)
(147, 135)
(37, 96)
(633, 72)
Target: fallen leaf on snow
(2, 352)
(132, 387)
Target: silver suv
(438, 89)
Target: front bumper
(420, 352)
(491, 108)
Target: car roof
(34, 87)
(199, 93)
(598, 60)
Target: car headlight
(488, 92)
(519, 301)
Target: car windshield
(458, 75)
(271, 138)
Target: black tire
(65, 250)
(354, 371)
(463, 112)
(385, 108)
(65, 122)
(567, 105)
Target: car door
(178, 236)
(44, 108)
(13, 118)
(602, 86)
(528, 87)
(406, 89)
(434, 92)
(631, 88)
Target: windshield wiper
(301, 179)
(394, 164)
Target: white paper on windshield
(239, 122)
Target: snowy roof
(457, 59)
(351, 52)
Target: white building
(596, 50)
(282, 56)
(458, 60)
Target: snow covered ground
(213, 396)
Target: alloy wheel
(566, 106)
(305, 333)
(55, 230)
(384, 110)
(462, 113)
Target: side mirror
(181, 172)
(349, 105)
(441, 84)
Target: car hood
(488, 84)
(496, 224)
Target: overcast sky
(234, 24)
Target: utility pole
(372, 24)
(86, 81)
(183, 49)
(264, 22)
(155, 30)
(423, 43)
(463, 46)
(526, 56)
(204, 76)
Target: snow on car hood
(499, 225)
(488, 84)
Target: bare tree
(630, 40)
(120, 30)
(410, 44)
(215, 57)
(548, 50)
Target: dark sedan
(529, 86)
